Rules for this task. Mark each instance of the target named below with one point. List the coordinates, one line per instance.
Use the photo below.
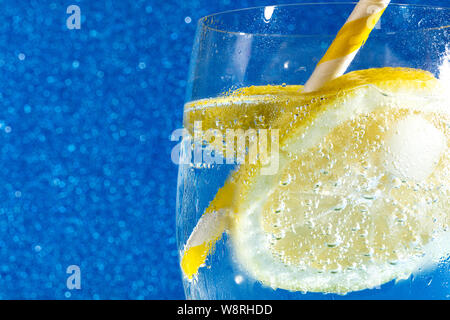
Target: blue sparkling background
(85, 120)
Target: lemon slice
(251, 107)
(361, 196)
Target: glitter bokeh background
(85, 119)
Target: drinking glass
(280, 46)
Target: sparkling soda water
(354, 203)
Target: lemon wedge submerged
(362, 193)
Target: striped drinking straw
(347, 43)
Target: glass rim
(202, 21)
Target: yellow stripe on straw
(195, 257)
(351, 37)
